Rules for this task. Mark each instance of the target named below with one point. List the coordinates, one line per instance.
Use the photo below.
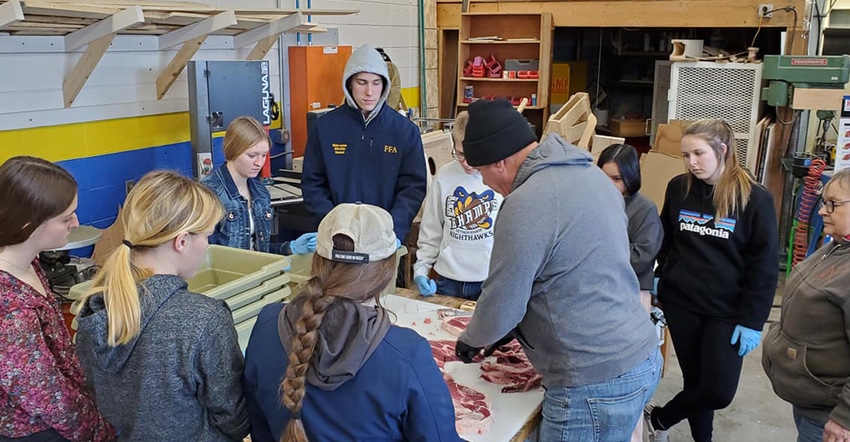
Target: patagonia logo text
(339, 149)
(699, 223)
(390, 149)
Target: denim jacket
(235, 229)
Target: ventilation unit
(728, 91)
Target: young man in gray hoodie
(560, 280)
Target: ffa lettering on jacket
(703, 224)
(469, 214)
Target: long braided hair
(331, 281)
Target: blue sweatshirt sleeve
(410, 186)
(762, 256)
(430, 413)
(314, 179)
(260, 430)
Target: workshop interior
(112, 89)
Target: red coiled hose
(807, 205)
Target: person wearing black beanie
(560, 279)
(495, 132)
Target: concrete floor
(756, 414)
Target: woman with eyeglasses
(717, 268)
(807, 353)
(456, 233)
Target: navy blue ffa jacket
(379, 163)
(724, 268)
(398, 394)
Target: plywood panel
(685, 14)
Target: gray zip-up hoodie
(366, 59)
(560, 273)
(180, 378)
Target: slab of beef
(455, 325)
(510, 367)
(472, 409)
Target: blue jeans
(458, 289)
(808, 429)
(605, 411)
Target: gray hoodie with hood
(560, 275)
(366, 59)
(179, 379)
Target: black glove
(488, 350)
(465, 352)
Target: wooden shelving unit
(523, 36)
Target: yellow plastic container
(225, 272)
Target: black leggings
(711, 369)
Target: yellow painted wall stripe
(83, 140)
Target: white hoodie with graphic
(456, 233)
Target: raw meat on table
(472, 409)
(455, 325)
(510, 367)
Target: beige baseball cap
(370, 227)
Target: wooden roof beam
(85, 66)
(271, 29)
(193, 31)
(97, 36)
(10, 13)
(177, 64)
(108, 26)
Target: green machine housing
(786, 72)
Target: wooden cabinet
(503, 37)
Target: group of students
(566, 263)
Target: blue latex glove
(654, 290)
(397, 243)
(305, 243)
(749, 339)
(427, 286)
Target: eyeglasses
(830, 204)
(458, 156)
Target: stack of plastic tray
(246, 280)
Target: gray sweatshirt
(645, 236)
(179, 379)
(560, 273)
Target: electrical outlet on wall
(764, 10)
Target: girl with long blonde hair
(165, 362)
(329, 365)
(718, 268)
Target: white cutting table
(515, 415)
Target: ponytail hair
(733, 186)
(160, 206)
(331, 281)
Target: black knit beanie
(494, 132)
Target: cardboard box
(627, 128)
(668, 139)
(559, 89)
(568, 78)
(656, 170)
